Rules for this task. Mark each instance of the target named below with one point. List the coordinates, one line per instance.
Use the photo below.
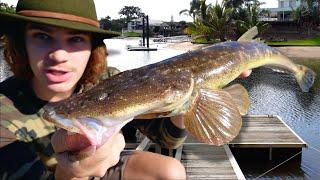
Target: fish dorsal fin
(240, 96)
(213, 117)
(249, 35)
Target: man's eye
(77, 39)
(42, 36)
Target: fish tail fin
(305, 77)
(240, 96)
(213, 117)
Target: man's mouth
(56, 76)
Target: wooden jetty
(140, 48)
(208, 162)
(264, 131)
(203, 161)
(267, 132)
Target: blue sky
(156, 9)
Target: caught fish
(193, 84)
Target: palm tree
(307, 16)
(198, 30)
(194, 9)
(218, 19)
(233, 3)
(248, 17)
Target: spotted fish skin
(173, 85)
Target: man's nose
(58, 55)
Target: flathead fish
(193, 85)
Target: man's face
(57, 57)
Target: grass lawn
(305, 42)
(204, 41)
(132, 34)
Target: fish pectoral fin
(213, 117)
(240, 96)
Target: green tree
(4, 7)
(218, 19)
(112, 24)
(248, 17)
(198, 30)
(131, 12)
(233, 3)
(194, 9)
(307, 16)
(105, 23)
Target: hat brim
(8, 19)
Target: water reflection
(278, 93)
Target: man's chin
(63, 87)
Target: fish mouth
(93, 129)
(96, 129)
(58, 119)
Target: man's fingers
(246, 73)
(80, 155)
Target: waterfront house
(284, 11)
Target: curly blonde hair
(16, 56)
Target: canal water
(279, 94)
(271, 92)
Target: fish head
(70, 115)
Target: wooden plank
(266, 131)
(234, 163)
(278, 117)
(204, 161)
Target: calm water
(123, 59)
(278, 93)
(270, 93)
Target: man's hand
(96, 161)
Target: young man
(54, 49)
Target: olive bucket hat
(73, 14)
